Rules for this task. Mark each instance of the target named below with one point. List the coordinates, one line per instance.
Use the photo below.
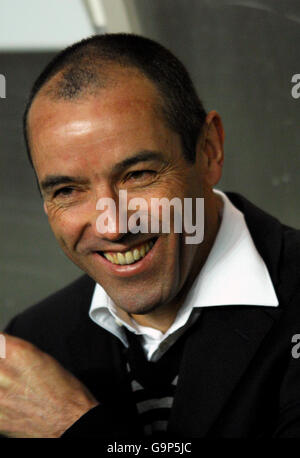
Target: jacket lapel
(216, 355)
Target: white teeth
(142, 251)
(136, 254)
(130, 256)
(121, 259)
(109, 257)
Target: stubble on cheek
(68, 250)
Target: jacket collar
(226, 339)
(266, 232)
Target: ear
(211, 147)
(45, 208)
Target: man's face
(81, 151)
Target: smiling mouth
(131, 256)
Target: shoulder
(56, 315)
(290, 263)
(278, 245)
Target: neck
(160, 319)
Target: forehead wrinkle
(143, 99)
(145, 96)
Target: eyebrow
(142, 156)
(51, 181)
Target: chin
(143, 307)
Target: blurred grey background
(241, 54)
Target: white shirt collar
(234, 274)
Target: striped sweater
(153, 384)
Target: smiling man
(160, 336)
(91, 148)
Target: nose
(111, 216)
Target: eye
(64, 192)
(139, 175)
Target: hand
(38, 397)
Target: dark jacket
(238, 377)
